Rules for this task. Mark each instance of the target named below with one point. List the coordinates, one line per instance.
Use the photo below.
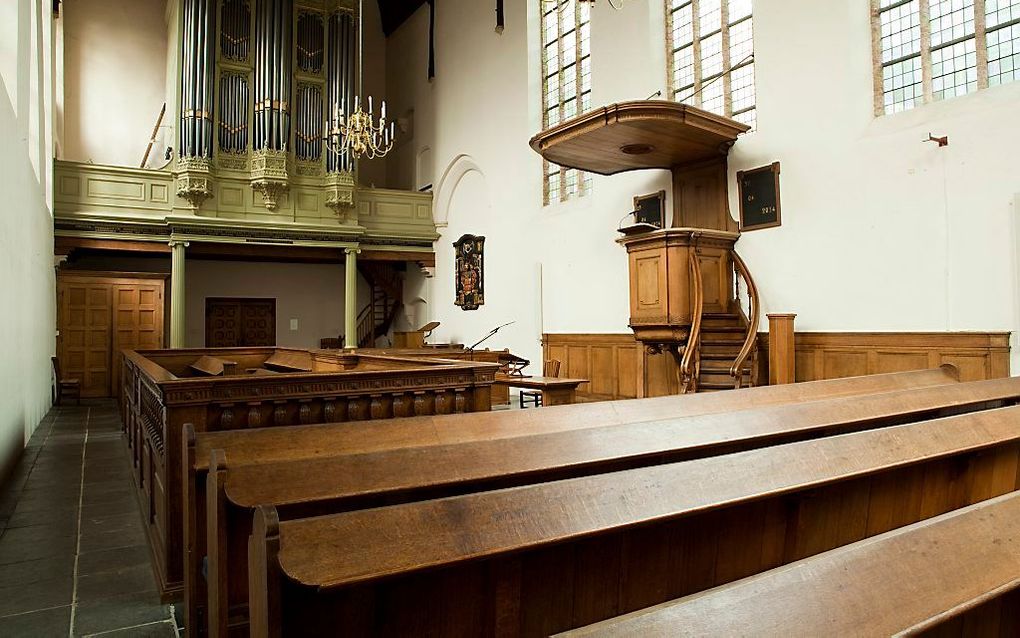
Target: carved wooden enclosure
(267, 387)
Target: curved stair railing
(741, 272)
(690, 364)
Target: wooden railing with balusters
(691, 362)
(751, 319)
(366, 325)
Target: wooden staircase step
(705, 330)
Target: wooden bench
(266, 445)
(954, 575)
(543, 558)
(308, 487)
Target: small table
(555, 391)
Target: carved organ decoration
(255, 79)
(195, 146)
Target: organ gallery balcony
(99, 201)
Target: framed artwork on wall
(470, 271)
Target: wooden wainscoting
(830, 355)
(618, 368)
(615, 364)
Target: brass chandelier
(357, 134)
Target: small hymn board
(759, 197)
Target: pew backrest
(950, 573)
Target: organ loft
(468, 318)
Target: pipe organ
(258, 79)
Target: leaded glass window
(711, 56)
(930, 50)
(566, 84)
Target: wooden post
(781, 349)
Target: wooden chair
(69, 387)
(551, 368)
(332, 343)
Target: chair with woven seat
(551, 368)
(65, 387)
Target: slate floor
(73, 556)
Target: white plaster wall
(26, 237)
(311, 293)
(115, 58)
(881, 232)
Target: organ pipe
(197, 78)
(273, 35)
(233, 135)
(340, 77)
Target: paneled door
(98, 316)
(85, 335)
(232, 322)
(138, 320)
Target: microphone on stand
(491, 333)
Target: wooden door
(235, 322)
(138, 320)
(100, 314)
(84, 325)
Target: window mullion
(671, 88)
(926, 72)
(727, 79)
(981, 44)
(876, 59)
(696, 50)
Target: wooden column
(351, 297)
(177, 293)
(781, 349)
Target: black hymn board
(759, 197)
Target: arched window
(711, 56)
(566, 84)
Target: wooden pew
(954, 575)
(264, 445)
(309, 487)
(543, 558)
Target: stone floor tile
(116, 612)
(31, 571)
(109, 540)
(43, 594)
(113, 559)
(163, 629)
(47, 623)
(22, 550)
(125, 580)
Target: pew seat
(954, 575)
(323, 485)
(543, 558)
